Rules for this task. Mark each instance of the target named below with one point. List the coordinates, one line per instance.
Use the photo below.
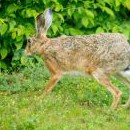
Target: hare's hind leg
(104, 80)
(127, 83)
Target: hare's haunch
(97, 55)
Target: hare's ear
(43, 22)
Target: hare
(97, 55)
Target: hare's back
(113, 51)
(106, 50)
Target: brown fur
(98, 55)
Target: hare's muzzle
(27, 53)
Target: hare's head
(43, 22)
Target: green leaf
(29, 29)
(31, 13)
(28, 13)
(89, 13)
(117, 3)
(128, 4)
(3, 65)
(19, 38)
(85, 22)
(99, 30)
(58, 7)
(19, 45)
(13, 35)
(20, 30)
(91, 21)
(109, 11)
(70, 10)
(60, 28)
(74, 31)
(3, 53)
(23, 60)
(45, 2)
(54, 28)
(80, 10)
(2, 20)
(77, 17)
(115, 29)
(12, 24)
(12, 8)
(12, 15)
(3, 28)
(126, 33)
(60, 16)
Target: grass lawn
(76, 103)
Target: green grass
(76, 103)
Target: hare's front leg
(56, 74)
(104, 80)
(54, 79)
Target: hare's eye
(30, 40)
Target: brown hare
(97, 55)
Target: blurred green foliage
(70, 17)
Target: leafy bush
(72, 17)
